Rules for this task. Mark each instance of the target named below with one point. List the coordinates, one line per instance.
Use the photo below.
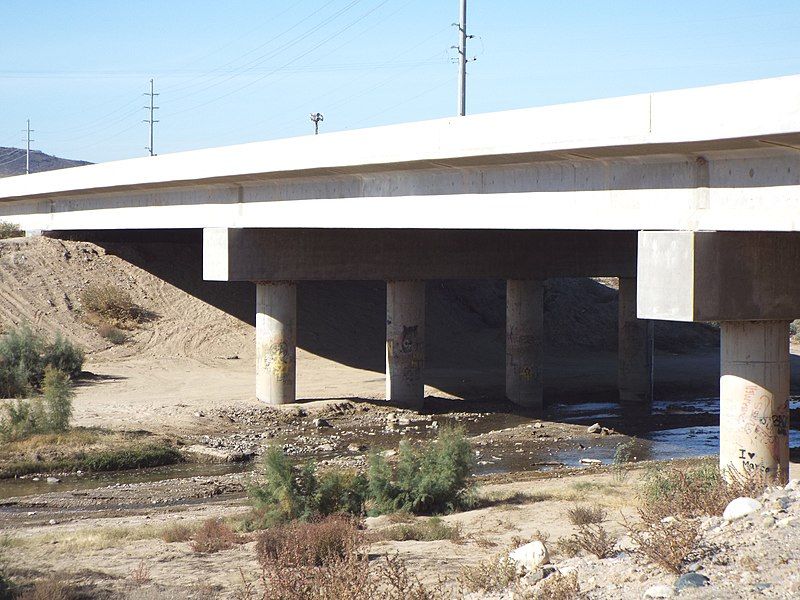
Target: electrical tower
(151, 120)
(28, 131)
(316, 118)
(462, 58)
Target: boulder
(741, 507)
(530, 556)
(691, 580)
(596, 428)
(659, 591)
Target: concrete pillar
(635, 348)
(524, 340)
(405, 343)
(754, 397)
(276, 338)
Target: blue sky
(241, 70)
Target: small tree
(58, 394)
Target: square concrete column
(754, 397)
(524, 340)
(276, 339)
(635, 348)
(405, 343)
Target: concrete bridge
(691, 198)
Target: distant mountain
(12, 162)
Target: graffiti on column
(765, 427)
(278, 361)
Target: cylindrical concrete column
(635, 348)
(276, 339)
(754, 397)
(524, 340)
(405, 343)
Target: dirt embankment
(197, 353)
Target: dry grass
(214, 535)
(109, 307)
(322, 560)
(493, 575)
(308, 544)
(113, 334)
(669, 543)
(425, 530)
(54, 588)
(591, 538)
(555, 587)
(140, 575)
(695, 492)
(177, 532)
(586, 515)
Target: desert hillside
(12, 162)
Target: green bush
(48, 413)
(430, 480)
(299, 493)
(10, 230)
(57, 394)
(24, 356)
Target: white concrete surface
(276, 342)
(405, 343)
(524, 341)
(754, 397)
(704, 158)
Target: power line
(151, 120)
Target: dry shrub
(567, 546)
(308, 544)
(396, 583)
(177, 532)
(427, 530)
(591, 538)
(696, 492)
(113, 334)
(557, 587)
(586, 515)
(493, 575)
(48, 589)
(140, 575)
(321, 561)
(669, 544)
(113, 304)
(595, 540)
(214, 535)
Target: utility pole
(28, 141)
(316, 118)
(462, 59)
(151, 121)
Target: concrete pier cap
(749, 282)
(276, 342)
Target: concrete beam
(292, 254)
(635, 348)
(718, 276)
(405, 343)
(754, 398)
(276, 342)
(524, 342)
